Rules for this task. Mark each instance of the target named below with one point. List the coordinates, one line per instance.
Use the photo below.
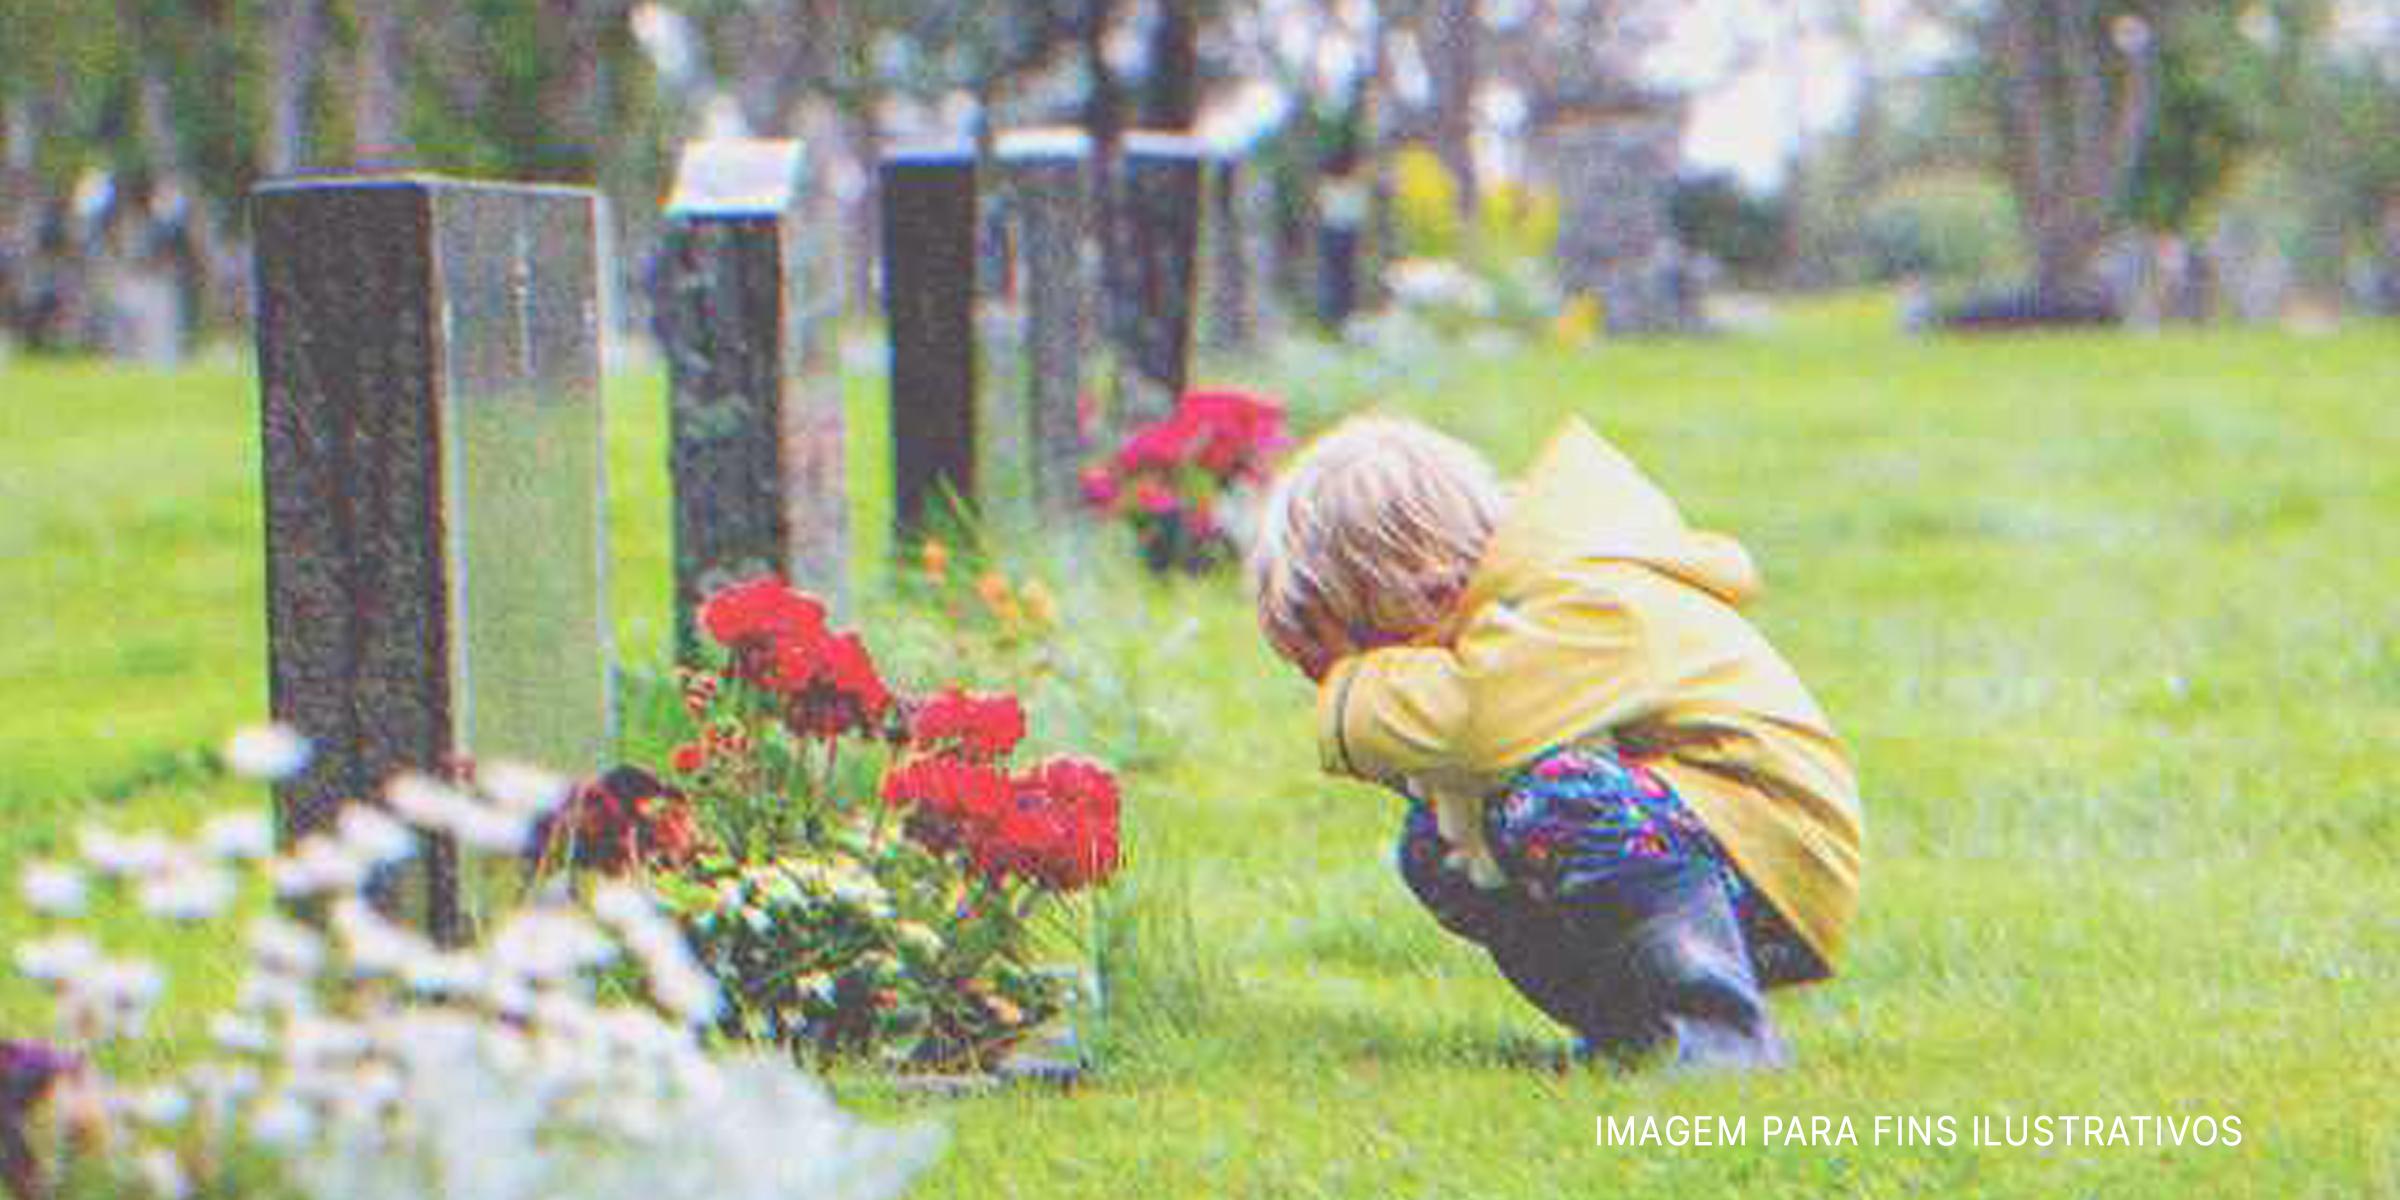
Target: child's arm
(1390, 713)
(1564, 660)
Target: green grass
(2107, 621)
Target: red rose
(1154, 498)
(980, 727)
(760, 610)
(1159, 447)
(953, 802)
(688, 759)
(1061, 831)
(1100, 486)
(828, 682)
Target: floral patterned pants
(1599, 854)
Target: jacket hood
(1583, 499)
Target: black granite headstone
(1237, 235)
(1046, 180)
(929, 284)
(747, 293)
(1152, 319)
(429, 384)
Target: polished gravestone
(1040, 382)
(1151, 315)
(430, 407)
(746, 294)
(930, 264)
(1237, 239)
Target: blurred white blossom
(187, 891)
(267, 752)
(125, 856)
(240, 836)
(523, 789)
(56, 959)
(378, 1065)
(162, 1174)
(372, 837)
(53, 889)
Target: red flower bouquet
(1170, 479)
(878, 904)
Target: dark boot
(1686, 980)
(1669, 968)
(1539, 959)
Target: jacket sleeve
(1391, 712)
(1560, 663)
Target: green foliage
(1715, 215)
(2199, 138)
(1952, 226)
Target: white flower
(110, 853)
(426, 802)
(436, 806)
(523, 789)
(439, 974)
(54, 889)
(491, 830)
(240, 836)
(318, 866)
(685, 990)
(283, 1123)
(547, 943)
(239, 1033)
(374, 1085)
(220, 1086)
(161, 1174)
(118, 994)
(134, 981)
(57, 959)
(273, 993)
(373, 838)
(189, 892)
(162, 1105)
(622, 904)
(267, 752)
(286, 946)
(322, 1041)
(376, 946)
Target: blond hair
(1372, 532)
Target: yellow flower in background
(1040, 606)
(1426, 198)
(998, 597)
(936, 559)
(1578, 323)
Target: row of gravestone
(429, 368)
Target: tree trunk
(1453, 44)
(573, 88)
(379, 102)
(20, 218)
(1172, 99)
(297, 40)
(2069, 141)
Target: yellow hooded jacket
(1597, 617)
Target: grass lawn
(2108, 623)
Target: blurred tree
(2201, 133)
(1451, 31)
(379, 87)
(1717, 216)
(2075, 86)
